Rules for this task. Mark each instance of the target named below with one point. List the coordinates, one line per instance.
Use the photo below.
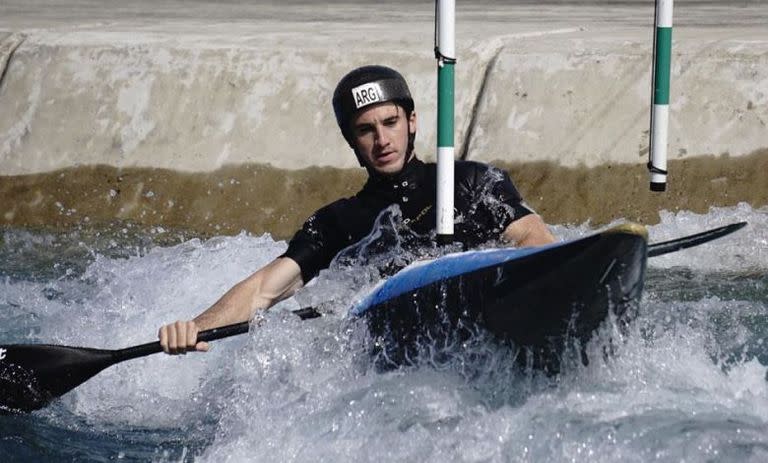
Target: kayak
(538, 299)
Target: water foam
(687, 381)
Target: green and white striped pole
(445, 52)
(657, 163)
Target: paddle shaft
(690, 241)
(204, 336)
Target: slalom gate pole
(445, 53)
(662, 58)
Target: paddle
(33, 375)
(690, 241)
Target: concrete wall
(197, 99)
(215, 116)
(577, 101)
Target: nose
(382, 139)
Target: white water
(687, 384)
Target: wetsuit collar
(411, 173)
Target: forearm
(235, 306)
(528, 231)
(275, 282)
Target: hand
(180, 338)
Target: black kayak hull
(540, 301)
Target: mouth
(384, 157)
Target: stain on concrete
(9, 43)
(609, 192)
(253, 198)
(259, 198)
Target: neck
(410, 165)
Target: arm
(271, 284)
(526, 231)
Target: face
(380, 133)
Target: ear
(412, 122)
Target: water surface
(688, 383)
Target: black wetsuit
(485, 203)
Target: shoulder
(470, 167)
(326, 219)
(338, 207)
(467, 169)
(477, 169)
(473, 173)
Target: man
(375, 112)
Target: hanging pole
(662, 59)
(445, 52)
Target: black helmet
(365, 86)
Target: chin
(389, 169)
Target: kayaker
(375, 112)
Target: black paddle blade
(690, 241)
(33, 375)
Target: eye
(363, 129)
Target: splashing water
(687, 383)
